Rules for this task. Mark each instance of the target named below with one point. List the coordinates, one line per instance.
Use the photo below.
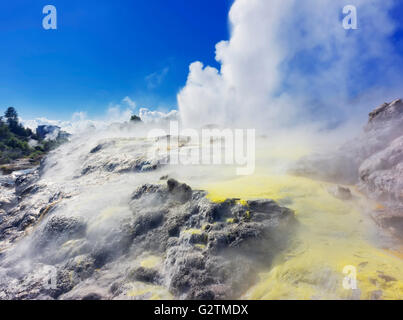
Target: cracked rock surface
(88, 225)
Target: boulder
(212, 249)
(373, 161)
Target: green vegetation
(18, 142)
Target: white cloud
(288, 61)
(129, 102)
(114, 113)
(150, 116)
(74, 126)
(153, 80)
(81, 115)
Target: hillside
(22, 145)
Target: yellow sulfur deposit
(142, 290)
(151, 261)
(333, 234)
(193, 231)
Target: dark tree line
(11, 117)
(15, 139)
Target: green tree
(135, 118)
(15, 127)
(14, 140)
(4, 130)
(11, 114)
(12, 119)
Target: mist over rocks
(83, 223)
(209, 250)
(102, 218)
(373, 161)
(109, 156)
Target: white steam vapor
(130, 102)
(150, 116)
(116, 113)
(290, 62)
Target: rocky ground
(373, 161)
(79, 226)
(101, 218)
(19, 165)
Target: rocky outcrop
(373, 161)
(29, 197)
(79, 225)
(18, 165)
(381, 175)
(17, 214)
(108, 156)
(208, 250)
(44, 130)
(212, 249)
(51, 132)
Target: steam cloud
(290, 62)
(80, 123)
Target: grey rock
(373, 161)
(92, 296)
(201, 264)
(342, 193)
(145, 275)
(59, 229)
(208, 250)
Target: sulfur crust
(151, 261)
(148, 291)
(333, 234)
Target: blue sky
(106, 50)
(103, 51)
